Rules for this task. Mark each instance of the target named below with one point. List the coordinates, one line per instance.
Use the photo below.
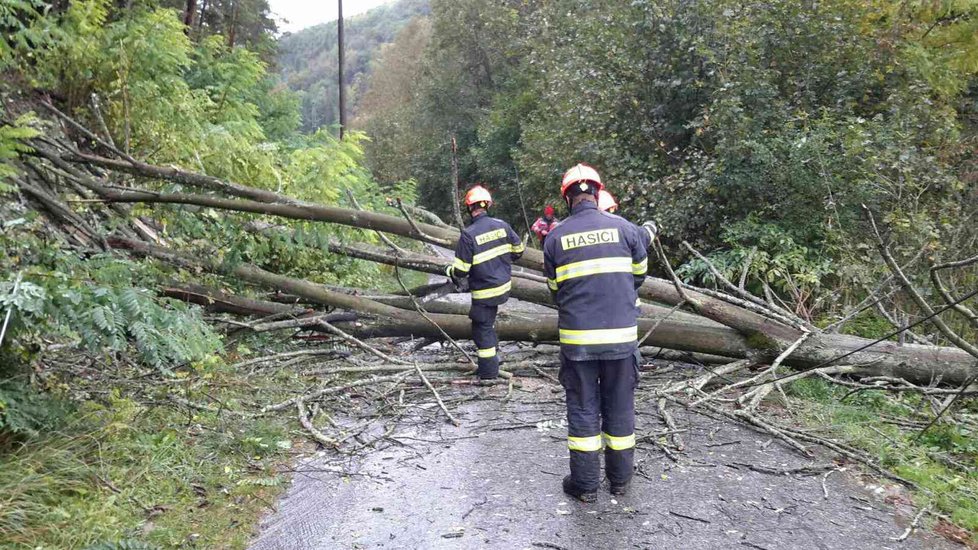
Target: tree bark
(916, 363)
(751, 331)
(456, 206)
(188, 16)
(221, 302)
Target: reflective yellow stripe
(598, 336)
(641, 267)
(617, 443)
(486, 353)
(617, 264)
(592, 443)
(493, 292)
(492, 253)
(552, 284)
(460, 265)
(518, 248)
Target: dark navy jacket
(486, 251)
(594, 263)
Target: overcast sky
(299, 14)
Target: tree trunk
(188, 16)
(743, 330)
(918, 364)
(456, 206)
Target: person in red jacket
(543, 226)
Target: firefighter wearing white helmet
(594, 263)
(607, 202)
(485, 253)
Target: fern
(12, 139)
(115, 318)
(26, 412)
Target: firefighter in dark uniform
(485, 253)
(594, 263)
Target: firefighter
(485, 253)
(594, 263)
(607, 202)
(543, 226)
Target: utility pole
(339, 38)
(455, 201)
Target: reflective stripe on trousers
(617, 443)
(600, 414)
(485, 293)
(598, 442)
(591, 443)
(484, 335)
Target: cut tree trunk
(919, 364)
(751, 331)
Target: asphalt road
(494, 482)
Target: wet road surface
(494, 482)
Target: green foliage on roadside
(24, 411)
(12, 145)
(121, 472)
(98, 305)
(942, 461)
(25, 27)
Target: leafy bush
(772, 258)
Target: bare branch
(915, 295)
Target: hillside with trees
(307, 59)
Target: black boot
(573, 490)
(618, 489)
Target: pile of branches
(756, 344)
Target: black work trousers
(600, 414)
(484, 335)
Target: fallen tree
(917, 363)
(717, 323)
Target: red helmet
(606, 201)
(548, 210)
(580, 173)
(478, 194)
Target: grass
(943, 462)
(127, 472)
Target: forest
(201, 284)
(306, 61)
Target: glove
(652, 228)
(450, 271)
